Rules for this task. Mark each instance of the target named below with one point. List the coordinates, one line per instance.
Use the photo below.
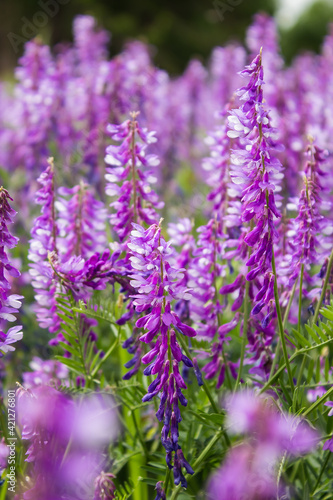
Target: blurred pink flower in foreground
(68, 441)
(250, 470)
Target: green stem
(138, 431)
(105, 357)
(200, 458)
(299, 378)
(300, 299)
(244, 339)
(205, 386)
(206, 389)
(136, 462)
(323, 291)
(328, 456)
(285, 318)
(318, 402)
(166, 481)
(281, 329)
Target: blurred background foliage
(177, 29)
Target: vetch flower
(44, 242)
(9, 304)
(306, 232)
(129, 176)
(104, 486)
(81, 223)
(158, 284)
(258, 172)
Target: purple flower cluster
(308, 228)
(104, 486)
(205, 268)
(67, 251)
(226, 282)
(129, 178)
(158, 284)
(258, 171)
(48, 372)
(81, 223)
(43, 243)
(9, 303)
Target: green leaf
(70, 332)
(67, 320)
(301, 339)
(312, 333)
(327, 312)
(319, 331)
(73, 365)
(69, 348)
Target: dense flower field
(166, 273)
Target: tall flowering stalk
(158, 284)
(306, 228)
(128, 178)
(9, 303)
(206, 268)
(81, 223)
(258, 171)
(44, 233)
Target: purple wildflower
(4, 453)
(48, 372)
(81, 223)
(304, 234)
(160, 494)
(263, 33)
(258, 172)
(158, 284)
(217, 166)
(249, 470)
(9, 304)
(204, 270)
(43, 243)
(136, 201)
(328, 445)
(104, 486)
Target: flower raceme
(308, 228)
(67, 240)
(44, 233)
(130, 176)
(9, 303)
(158, 284)
(81, 223)
(258, 172)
